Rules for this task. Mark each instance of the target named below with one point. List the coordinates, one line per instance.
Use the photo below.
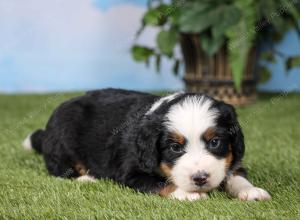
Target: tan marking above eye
(209, 134)
(176, 137)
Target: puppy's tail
(34, 141)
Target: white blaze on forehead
(192, 117)
(161, 101)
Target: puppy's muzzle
(200, 178)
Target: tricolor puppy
(180, 146)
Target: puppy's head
(196, 140)
(201, 142)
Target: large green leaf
(241, 40)
(202, 16)
(211, 45)
(156, 16)
(166, 41)
(196, 17)
(141, 53)
(227, 17)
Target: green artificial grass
(272, 133)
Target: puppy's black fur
(109, 133)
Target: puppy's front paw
(253, 193)
(190, 196)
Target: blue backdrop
(64, 45)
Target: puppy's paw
(189, 196)
(253, 193)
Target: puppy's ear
(228, 119)
(238, 144)
(147, 143)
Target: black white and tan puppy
(180, 146)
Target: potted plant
(220, 42)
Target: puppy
(179, 146)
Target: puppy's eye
(214, 143)
(176, 148)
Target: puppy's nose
(200, 178)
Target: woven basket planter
(212, 75)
